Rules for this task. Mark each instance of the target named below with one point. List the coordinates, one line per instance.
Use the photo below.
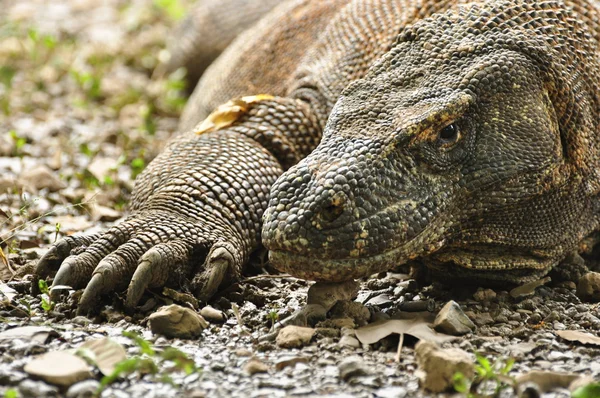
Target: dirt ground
(81, 116)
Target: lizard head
(448, 151)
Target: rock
(294, 336)
(243, 352)
(327, 333)
(437, 366)
(34, 389)
(391, 392)
(212, 315)
(484, 295)
(337, 323)
(177, 321)
(480, 318)
(101, 167)
(81, 320)
(83, 389)
(284, 362)
(349, 341)
(40, 177)
(38, 334)
(103, 213)
(588, 288)
(314, 313)
(381, 301)
(351, 309)
(254, 366)
(327, 294)
(452, 320)
(353, 366)
(59, 367)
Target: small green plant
(47, 303)
(19, 142)
(490, 378)
(591, 390)
(137, 165)
(273, 317)
(88, 82)
(11, 393)
(173, 8)
(149, 361)
(25, 303)
(56, 231)
(7, 73)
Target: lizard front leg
(197, 208)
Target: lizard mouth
(334, 270)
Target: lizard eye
(449, 134)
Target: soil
(81, 116)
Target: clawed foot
(148, 250)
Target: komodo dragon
(463, 134)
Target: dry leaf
(528, 288)
(6, 272)
(227, 114)
(107, 353)
(578, 336)
(546, 380)
(417, 327)
(38, 334)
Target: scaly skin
(462, 134)
(208, 29)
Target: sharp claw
(139, 282)
(90, 294)
(50, 261)
(218, 262)
(155, 267)
(63, 276)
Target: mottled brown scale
(344, 172)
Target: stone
(480, 318)
(327, 294)
(351, 309)
(212, 315)
(391, 392)
(353, 366)
(41, 177)
(175, 321)
(81, 320)
(381, 301)
(284, 362)
(59, 367)
(437, 366)
(294, 336)
(484, 295)
(104, 213)
(34, 389)
(314, 313)
(349, 341)
(83, 389)
(588, 288)
(254, 366)
(243, 352)
(452, 320)
(337, 323)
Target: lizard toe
(222, 262)
(76, 270)
(155, 267)
(113, 271)
(52, 259)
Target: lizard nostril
(332, 212)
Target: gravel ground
(80, 117)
